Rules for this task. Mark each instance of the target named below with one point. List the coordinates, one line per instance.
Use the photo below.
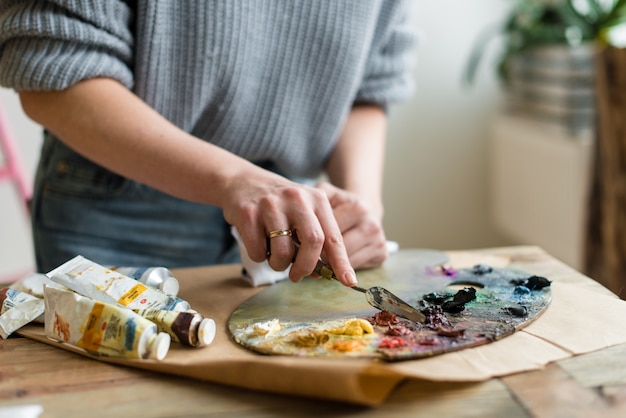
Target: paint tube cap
(160, 346)
(170, 286)
(180, 305)
(206, 331)
(162, 279)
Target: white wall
(540, 185)
(436, 186)
(436, 180)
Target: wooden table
(69, 385)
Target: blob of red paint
(391, 342)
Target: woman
(166, 122)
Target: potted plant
(547, 58)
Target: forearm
(356, 165)
(108, 124)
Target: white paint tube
(188, 328)
(100, 283)
(10, 298)
(101, 328)
(157, 277)
(33, 284)
(17, 309)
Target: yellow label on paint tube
(132, 295)
(100, 283)
(94, 328)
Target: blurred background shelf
(539, 183)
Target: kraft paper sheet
(582, 317)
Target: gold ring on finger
(279, 233)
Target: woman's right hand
(262, 202)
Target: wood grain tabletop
(66, 384)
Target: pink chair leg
(13, 170)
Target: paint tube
(100, 283)
(10, 298)
(33, 284)
(188, 328)
(17, 309)
(157, 277)
(101, 328)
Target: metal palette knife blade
(378, 297)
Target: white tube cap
(206, 331)
(170, 286)
(160, 346)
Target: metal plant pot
(554, 84)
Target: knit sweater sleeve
(388, 76)
(52, 44)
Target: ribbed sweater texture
(269, 80)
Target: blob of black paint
(480, 269)
(457, 304)
(436, 298)
(452, 307)
(518, 311)
(518, 282)
(537, 282)
(467, 294)
(532, 283)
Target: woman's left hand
(361, 227)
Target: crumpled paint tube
(10, 298)
(33, 284)
(17, 309)
(157, 277)
(100, 283)
(101, 328)
(188, 328)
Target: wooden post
(606, 244)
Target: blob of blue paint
(521, 291)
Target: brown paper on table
(582, 317)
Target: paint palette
(321, 318)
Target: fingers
(291, 211)
(317, 232)
(338, 259)
(368, 256)
(366, 242)
(253, 236)
(280, 248)
(311, 242)
(264, 215)
(362, 230)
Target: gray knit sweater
(269, 80)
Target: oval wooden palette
(313, 317)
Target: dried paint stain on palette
(470, 307)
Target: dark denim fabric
(80, 208)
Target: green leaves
(543, 22)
